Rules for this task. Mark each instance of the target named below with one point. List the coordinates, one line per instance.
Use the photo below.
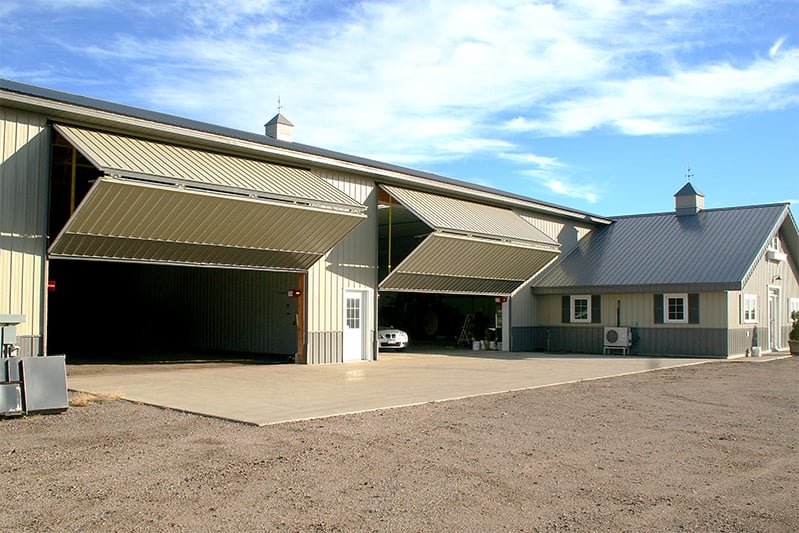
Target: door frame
(366, 323)
(773, 317)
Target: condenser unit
(618, 337)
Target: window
(774, 244)
(749, 308)
(675, 308)
(793, 305)
(581, 309)
(353, 313)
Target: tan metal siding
(134, 221)
(565, 233)
(637, 310)
(765, 275)
(24, 143)
(352, 264)
(117, 154)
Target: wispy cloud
(566, 186)
(776, 46)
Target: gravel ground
(702, 448)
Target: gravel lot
(712, 447)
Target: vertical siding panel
(767, 273)
(351, 264)
(24, 145)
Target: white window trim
(793, 305)
(774, 244)
(684, 298)
(745, 299)
(585, 297)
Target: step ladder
(465, 338)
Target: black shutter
(658, 309)
(596, 309)
(565, 310)
(693, 309)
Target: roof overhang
(639, 289)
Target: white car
(392, 338)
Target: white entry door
(774, 340)
(354, 327)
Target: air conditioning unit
(618, 338)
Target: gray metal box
(10, 399)
(44, 383)
(8, 334)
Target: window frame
(675, 296)
(793, 305)
(572, 314)
(749, 314)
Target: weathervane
(689, 175)
(279, 107)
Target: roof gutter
(648, 288)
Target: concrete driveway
(267, 394)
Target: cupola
(280, 128)
(688, 200)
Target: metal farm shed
(126, 231)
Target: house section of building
(695, 281)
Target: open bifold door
(472, 248)
(166, 204)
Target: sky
(603, 106)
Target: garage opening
(447, 264)
(437, 321)
(165, 250)
(116, 312)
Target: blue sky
(598, 105)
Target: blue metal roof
(714, 249)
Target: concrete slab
(269, 394)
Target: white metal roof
(473, 249)
(455, 264)
(119, 155)
(468, 218)
(127, 220)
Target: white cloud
(538, 160)
(420, 81)
(683, 102)
(566, 186)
